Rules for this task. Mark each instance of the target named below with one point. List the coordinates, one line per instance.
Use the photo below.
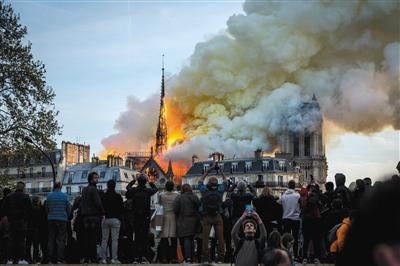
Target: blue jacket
(57, 206)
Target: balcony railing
(38, 190)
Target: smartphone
(249, 208)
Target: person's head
(111, 185)
(292, 184)
(276, 257)
(57, 185)
(35, 201)
(241, 186)
(266, 192)
(20, 186)
(340, 179)
(367, 181)
(249, 227)
(186, 188)
(6, 191)
(329, 186)
(169, 186)
(360, 185)
(287, 240)
(212, 183)
(274, 240)
(93, 178)
(142, 180)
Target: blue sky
(98, 52)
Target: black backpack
(212, 202)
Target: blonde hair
(266, 192)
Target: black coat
(140, 198)
(113, 205)
(90, 204)
(268, 209)
(17, 206)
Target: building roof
(16, 160)
(77, 174)
(263, 165)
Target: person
(227, 207)
(92, 212)
(248, 248)
(341, 231)
(211, 209)
(374, 235)
(4, 229)
(312, 226)
(58, 210)
(114, 208)
(168, 240)
(342, 191)
(269, 210)
(77, 227)
(368, 185)
(287, 241)
(276, 257)
(358, 193)
(33, 237)
(140, 198)
(291, 213)
(240, 199)
(186, 207)
(274, 240)
(328, 195)
(17, 208)
(333, 216)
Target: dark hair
(379, 217)
(142, 180)
(91, 176)
(274, 240)
(292, 184)
(186, 188)
(6, 191)
(111, 185)
(275, 257)
(286, 238)
(329, 186)
(367, 181)
(169, 186)
(20, 185)
(57, 184)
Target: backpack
(332, 233)
(259, 246)
(212, 202)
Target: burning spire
(162, 134)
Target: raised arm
(263, 232)
(153, 188)
(236, 229)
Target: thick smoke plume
(244, 86)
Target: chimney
(258, 154)
(110, 160)
(194, 158)
(95, 161)
(217, 156)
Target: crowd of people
(225, 222)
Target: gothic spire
(161, 135)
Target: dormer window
(234, 167)
(248, 166)
(264, 165)
(206, 167)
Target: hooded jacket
(290, 205)
(340, 234)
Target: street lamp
(29, 140)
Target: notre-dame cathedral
(306, 148)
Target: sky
(99, 52)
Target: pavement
(299, 264)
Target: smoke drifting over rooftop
(245, 85)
